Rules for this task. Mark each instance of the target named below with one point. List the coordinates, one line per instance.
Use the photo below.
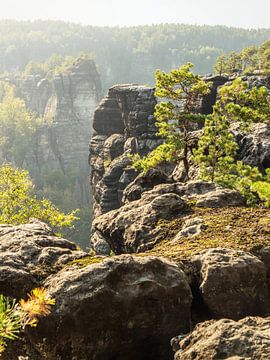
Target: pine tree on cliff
(176, 116)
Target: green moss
(236, 228)
(89, 260)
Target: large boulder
(221, 197)
(132, 228)
(247, 339)
(28, 254)
(232, 283)
(122, 308)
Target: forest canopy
(130, 54)
(250, 60)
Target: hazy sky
(240, 13)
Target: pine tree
(176, 116)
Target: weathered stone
(132, 228)
(100, 245)
(113, 146)
(254, 146)
(232, 283)
(210, 99)
(124, 116)
(144, 182)
(247, 339)
(124, 307)
(28, 254)
(221, 197)
(67, 103)
(192, 227)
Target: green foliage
(18, 126)
(56, 64)
(18, 203)
(240, 103)
(124, 55)
(164, 153)
(15, 317)
(217, 147)
(250, 60)
(228, 64)
(175, 118)
(262, 188)
(241, 178)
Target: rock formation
(124, 124)
(134, 227)
(68, 103)
(246, 339)
(28, 254)
(132, 306)
(122, 307)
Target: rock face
(124, 307)
(124, 124)
(68, 104)
(233, 284)
(246, 339)
(28, 254)
(254, 147)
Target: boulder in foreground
(122, 308)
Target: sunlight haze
(238, 13)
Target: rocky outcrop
(67, 102)
(232, 284)
(28, 254)
(124, 124)
(247, 339)
(127, 306)
(254, 146)
(135, 226)
(124, 307)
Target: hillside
(123, 55)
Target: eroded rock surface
(124, 125)
(124, 307)
(67, 103)
(246, 339)
(28, 254)
(254, 146)
(232, 283)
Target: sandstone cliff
(67, 103)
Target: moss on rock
(235, 228)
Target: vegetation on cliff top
(217, 148)
(250, 60)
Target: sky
(237, 13)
